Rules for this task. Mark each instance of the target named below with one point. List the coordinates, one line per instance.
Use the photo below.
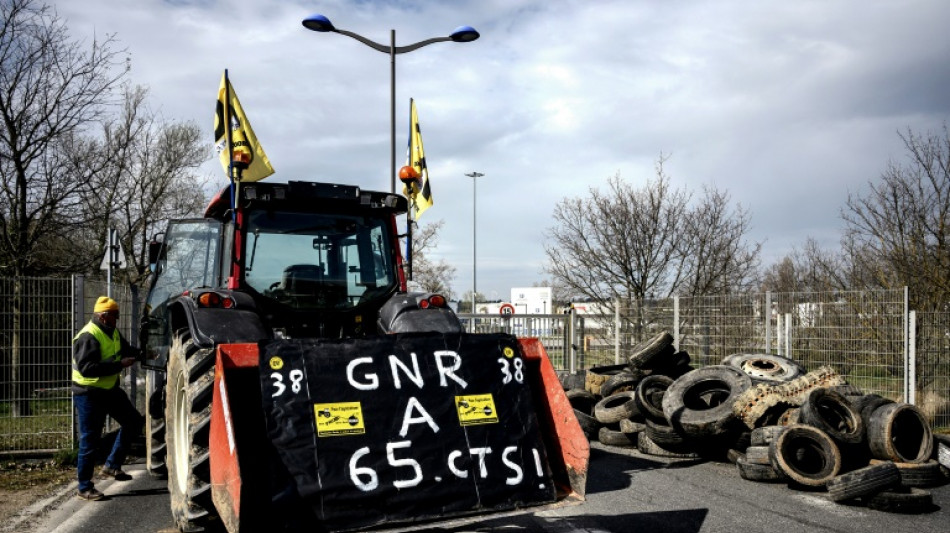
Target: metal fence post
(911, 336)
(907, 379)
(569, 341)
(767, 315)
(788, 335)
(676, 322)
(78, 296)
(779, 347)
(616, 331)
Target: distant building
(532, 300)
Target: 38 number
(507, 375)
(296, 380)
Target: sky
(787, 106)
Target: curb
(62, 494)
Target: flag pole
(227, 135)
(412, 201)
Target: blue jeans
(92, 409)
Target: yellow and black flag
(235, 140)
(421, 196)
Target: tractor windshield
(312, 261)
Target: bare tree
(143, 172)
(50, 88)
(811, 268)
(719, 259)
(631, 245)
(898, 233)
(429, 275)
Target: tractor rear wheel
(188, 393)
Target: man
(99, 355)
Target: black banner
(405, 427)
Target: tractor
(293, 383)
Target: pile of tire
(860, 448)
(772, 419)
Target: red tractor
(295, 384)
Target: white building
(532, 300)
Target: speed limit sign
(506, 309)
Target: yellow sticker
(276, 363)
(476, 409)
(344, 418)
(509, 352)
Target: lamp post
(474, 175)
(462, 34)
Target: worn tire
(625, 380)
(596, 376)
(757, 472)
(188, 393)
(642, 354)
(155, 449)
(628, 426)
(806, 455)
(790, 417)
(920, 475)
(758, 455)
(832, 413)
(664, 435)
(905, 500)
(649, 395)
(700, 404)
(733, 455)
(863, 482)
(900, 432)
(571, 381)
(943, 454)
(620, 439)
(764, 435)
(867, 404)
(669, 363)
(765, 368)
(647, 446)
(589, 425)
(581, 400)
(613, 409)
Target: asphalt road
(627, 492)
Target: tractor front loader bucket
(399, 430)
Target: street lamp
(462, 34)
(473, 175)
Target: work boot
(113, 473)
(90, 495)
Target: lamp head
(318, 22)
(462, 34)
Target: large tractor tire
(155, 426)
(188, 393)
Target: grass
(49, 426)
(22, 475)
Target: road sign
(506, 309)
(114, 255)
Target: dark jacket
(89, 361)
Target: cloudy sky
(789, 106)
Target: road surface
(627, 492)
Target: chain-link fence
(38, 319)
(932, 361)
(869, 336)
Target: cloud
(788, 106)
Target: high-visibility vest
(109, 348)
